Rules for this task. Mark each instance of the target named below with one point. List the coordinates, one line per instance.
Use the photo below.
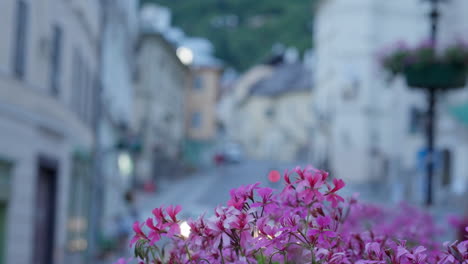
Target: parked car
(228, 153)
(233, 153)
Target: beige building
(268, 112)
(201, 123)
(48, 90)
(159, 105)
(202, 97)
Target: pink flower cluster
(307, 222)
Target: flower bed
(306, 222)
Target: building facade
(48, 89)
(370, 128)
(118, 58)
(159, 100)
(268, 112)
(201, 123)
(202, 97)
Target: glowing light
(124, 161)
(76, 245)
(77, 224)
(185, 229)
(274, 176)
(255, 233)
(185, 55)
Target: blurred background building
(201, 121)
(159, 117)
(268, 112)
(372, 129)
(117, 143)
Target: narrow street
(202, 191)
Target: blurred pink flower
(296, 225)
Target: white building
(268, 112)
(119, 36)
(368, 127)
(159, 113)
(49, 77)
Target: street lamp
(125, 164)
(127, 147)
(425, 68)
(434, 15)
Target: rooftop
(285, 78)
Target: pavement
(202, 191)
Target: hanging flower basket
(439, 76)
(428, 68)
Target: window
(198, 82)
(95, 99)
(85, 95)
(76, 81)
(3, 229)
(270, 112)
(77, 224)
(196, 120)
(5, 169)
(351, 91)
(169, 117)
(55, 59)
(446, 167)
(20, 41)
(85, 87)
(416, 120)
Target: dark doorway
(45, 211)
(3, 222)
(446, 167)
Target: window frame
(20, 43)
(55, 59)
(196, 120)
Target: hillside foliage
(244, 31)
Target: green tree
(243, 31)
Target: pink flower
(339, 184)
(322, 232)
(334, 199)
(123, 261)
(286, 178)
(265, 194)
(173, 211)
(297, 225)
(174, 229)
(155, 232)
(331, 196)
(159, 214)
(138, 233)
